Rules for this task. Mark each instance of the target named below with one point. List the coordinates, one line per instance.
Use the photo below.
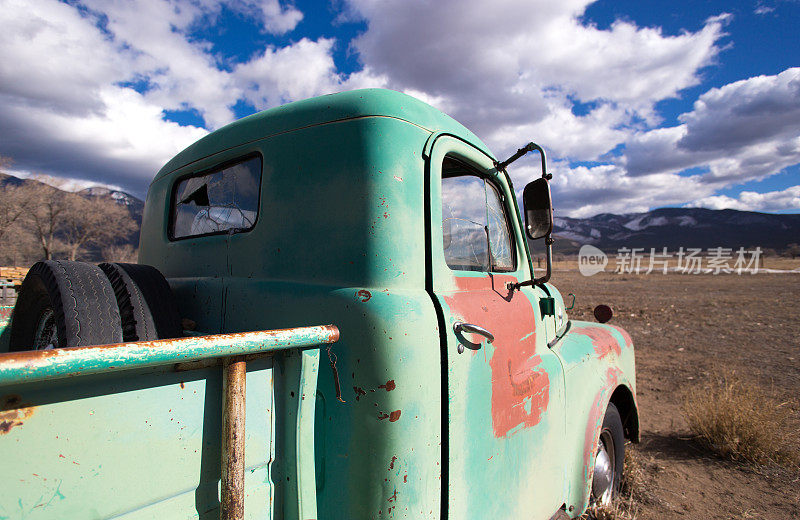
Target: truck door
(504, 394)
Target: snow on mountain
(679, 227)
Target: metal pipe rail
(43, 365)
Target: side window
(219, 201)
(474, 223)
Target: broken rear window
(223, 200)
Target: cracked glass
(221, 201)
(475, 229)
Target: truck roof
(372, 102)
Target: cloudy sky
(640, 104)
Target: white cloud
(511, 72)
(745, 130)
(752, 201)
(278, 19)
(51, 56)
(586, 191)
(522, 70)
(64, 106)
(302, 70)
(61, 182)
(123, 143)
(756, 110)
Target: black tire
(147, 307)
(64, 304)
(611, 441)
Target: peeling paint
(520, 387)
(39, 365)
(13, 412)
(364, 295)
(392, 416)
(595, 423)
(625, 336)
(602, 339)
(389, 386)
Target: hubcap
(46, 337)
(603, 478)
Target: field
(687, 329)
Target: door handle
(460, 326)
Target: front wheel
(608, 464)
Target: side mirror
(538, 209)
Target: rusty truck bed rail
(232, 349)
(40, 365)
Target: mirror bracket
(548, 238)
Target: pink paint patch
(595, 423)
(603, 341)
(520, 386)
(625, 335)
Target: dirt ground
(686, 327)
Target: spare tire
(148, 309)
(64, 304)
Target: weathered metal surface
(39, 365)
(599, 365)
(5, 317)
(233, 430)
(296, 457)
(339, 239)
(505, 403)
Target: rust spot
(393, 497)
(13, 412)
(391, 464)
(389, 386)
(359, 392)
(394, 416)
(32, 358)
(11, 401)
(382, 415)
(405, 478)
(364, 294)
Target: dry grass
(635, 490)
(739, 420)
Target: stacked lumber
(14, 275)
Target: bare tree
(14, 202)
(45, 219)
(93, 222)
(120, 253)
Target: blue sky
(639, 104)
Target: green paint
(77, 361)
(348, 232)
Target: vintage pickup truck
(458, 388)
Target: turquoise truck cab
(455, 390)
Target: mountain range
(678, 227)
(664, 227)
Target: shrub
(741, 421)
